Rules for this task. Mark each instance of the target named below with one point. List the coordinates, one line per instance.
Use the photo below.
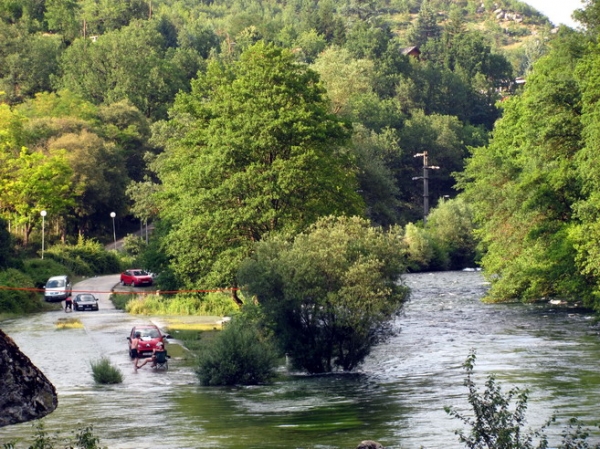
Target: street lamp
(113, 215)
(43, 214)
(425, 178)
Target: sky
(558, 11)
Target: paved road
(64, 356)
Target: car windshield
(140, 273)
(149, 333)
(87, 298)
(56, 283)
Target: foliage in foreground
(105, 373)
(83, 438)
(240, 355)
(331, 293)
(498, 419)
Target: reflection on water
(397, 398)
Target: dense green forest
(226, 122)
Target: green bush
(121, 300)
(105, 373)
(87, 258)
(40, 270)
(240, 355)
(18, 301)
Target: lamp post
(425, 178)
(113, 215)
(43, 214)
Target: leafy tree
(62, 16)
(329, 294)
(32, 182)
(129, 129)
(128, 64)
(422, 254)
(99, 177)
(451, 226)
(375, 155)
(426, 26)
(343, 76)
(28, 63)
(368, 39)
(105, 16)
(523, 185)
(253, 151)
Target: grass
(105, 373)
(69, 323)
(193, 336)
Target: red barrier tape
(154, 292)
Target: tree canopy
(254, 151)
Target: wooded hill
(107, 105)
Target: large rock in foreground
(25, 393)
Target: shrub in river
(497, 423)
(240, 355)
(331, 293)
(105, 373)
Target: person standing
(69, 304)
(135, 342)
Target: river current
(397, 397)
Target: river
(397, 397)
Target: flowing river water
(397, 398)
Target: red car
(136, 277)
(150, 335)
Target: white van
(57, 288)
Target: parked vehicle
(57, 288)
(150, 336)
(85, 301)
(136, 277)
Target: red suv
(136, 277)
(149, 336)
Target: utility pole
(425, 178)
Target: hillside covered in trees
(225, 122)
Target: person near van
(69, 303)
